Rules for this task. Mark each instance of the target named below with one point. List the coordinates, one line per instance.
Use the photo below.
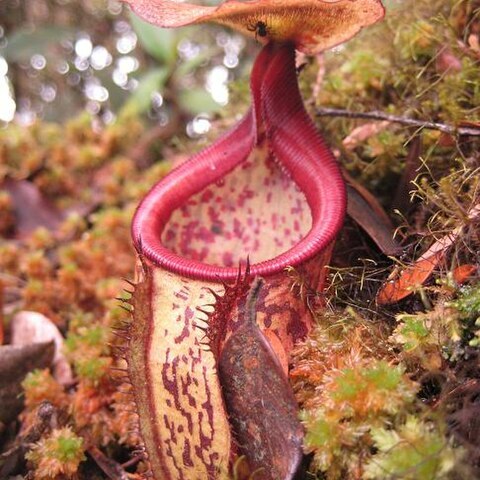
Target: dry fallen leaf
(30, 207)
(366, 210)
(15, 363)
(33, 327)
(474, 42)
(409, 279)
(463, 272)
(415, 275)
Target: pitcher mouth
(297, 147)
(154, 212)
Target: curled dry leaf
(15, 363)
(408, 280)
(33, 327)
(381, 232)
(474, 43)
(312, 25)
(366, 210)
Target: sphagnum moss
(58, 454)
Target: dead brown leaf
(408, 280)
(366, 210)
(413, 276)
(31, 208)
(463, 272)
(474, 42)
(15, 363)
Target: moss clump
(40, 386)
(58, 454)
(468, 307)
(417, 63)
(92, 369)
(73, 275)
(468, 302)
(348, 383)
(372, 388)
(414, 450)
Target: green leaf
(160, 43)
(26, 42)
(139, 101)
(197, 101)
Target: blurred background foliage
(59, 57)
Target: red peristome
(295, 149)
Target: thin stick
(376, 115)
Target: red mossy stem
(297, 146)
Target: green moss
(414, 450)
(349, 401)
(92, 369)
(33, 379)
(57, 456)
(68, 447)
(396, 67)
(320, 432)
(468, 302)
(468, 307)
(379, 377)
(95, 336)
(411, 331)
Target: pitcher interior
(256, 210)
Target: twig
(110, 467)
(376, 115)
